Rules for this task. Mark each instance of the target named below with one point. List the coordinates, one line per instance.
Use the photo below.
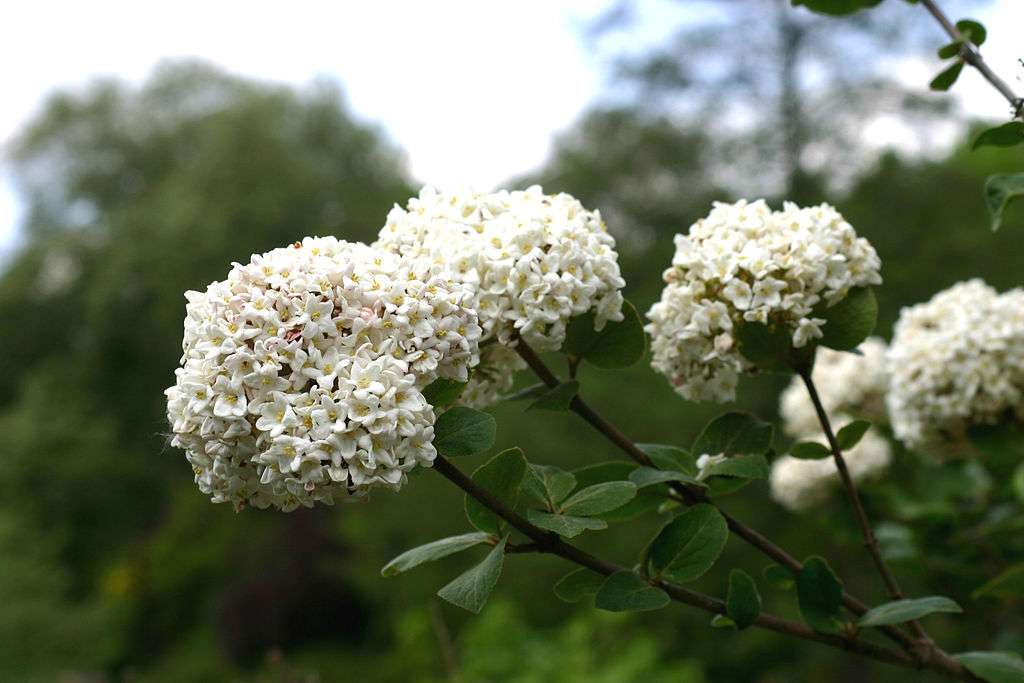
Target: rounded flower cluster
(533, 260)
(955, 361)
(302, 371)
(847, 384)
(799, 484)
(747, 263)
(850, 385)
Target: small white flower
(532, 261)
(956, 361)
(745, 263)
(302, 372)
(705, 462)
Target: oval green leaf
(850, 320)
(851, 434)
(734, 434)
(443, 391)
(500, 476)
(471, 589)
(689, 545)
(625, 591)
(463, 431)
(742, 602)
(433, 551)
(599, 498)
(1006, 135)
(579, 584)
(994, 667)
(819, 594)
(810, 450)
(1000, 190)
(566, 526)
(900, 611)
(617, 345)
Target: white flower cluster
(799, 484)
(955, 361)
(534, 261)
(302, 371)
(745, 262)
(849, 385)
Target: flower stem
(867, 532)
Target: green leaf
(670, 458)
(1008, 584)
(994, 667)
(1017, 483)
(810, 450)
(613, 470)
(599, 498)
(1006, 135)
(625, 591)
(617, 345)
(900, 611)
(950, 50)
(947, 77)
(471, 588)
(779, 576)
(616, 470)
(851, 434)
(769, 348)
(849, 321)
(1000, 190)
(688, 546)
(463, 431)
(578, 584)
(433, 551)
(557, 398)
(548, 484)
(649, 476)
(500, 476)
(734, 434)
(443, 391)
(753, 466)
(564, 525)
(722, 621)
(819, 594)
(835, 7)
(742, 602)
(972, 31)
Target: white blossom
(747, 263)
(533, 260)
(955, 361)
(301, 373)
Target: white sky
(417, 68)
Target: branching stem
(970, 54)
(692, 495)
(549, 542)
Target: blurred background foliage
(114, 567)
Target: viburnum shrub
(323, 369)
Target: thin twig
(551, 543)
(868, 533)
(970, 54)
